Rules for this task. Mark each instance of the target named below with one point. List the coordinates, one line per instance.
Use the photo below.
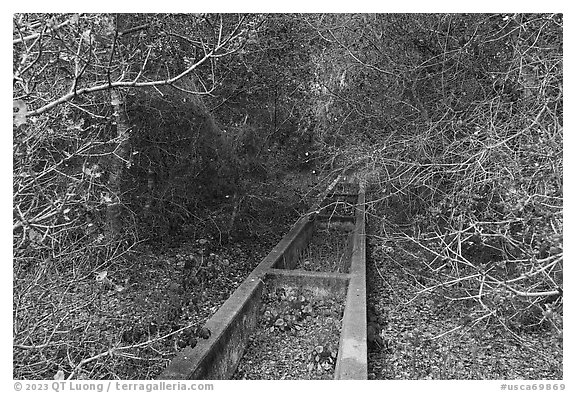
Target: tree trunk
(119, 158)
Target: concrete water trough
(232, 325)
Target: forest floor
(127, 318)
(137, 307)
(428, 336)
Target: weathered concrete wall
(352, 362)
(335, 283)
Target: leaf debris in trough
(303, 346)
(328, 251)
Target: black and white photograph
(287, 196)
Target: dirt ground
(425, 335)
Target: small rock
(181, 342)
(204, 333)
(132, 335)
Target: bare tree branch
(36, 35)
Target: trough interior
(325, 247)
(297, 315)
(339, 206)
(240, 316)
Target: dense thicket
(161, 115)
(131, 127)
(458, 119)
